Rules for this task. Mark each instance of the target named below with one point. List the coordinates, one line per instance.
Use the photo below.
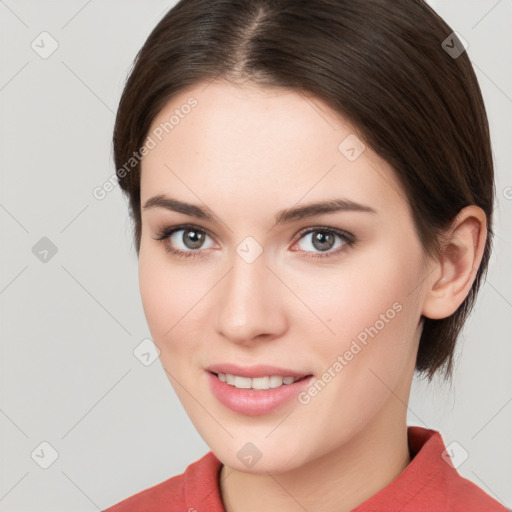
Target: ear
(455, 269)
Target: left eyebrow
(282, 217)
(322, 207)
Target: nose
(251, 303)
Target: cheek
(163, 293)
(366, 362)
(173, 300)
(156, 299)
(373, 316)
(364, 292)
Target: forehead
(260, 145)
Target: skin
(245, 153)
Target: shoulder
(431, 482)
(465, 496)
(169, 494)
(445, 489)
(173, 494)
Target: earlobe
(457, 266)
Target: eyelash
(163, 235)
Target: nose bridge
(249, 304)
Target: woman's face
(335, 296)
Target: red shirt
(428, 484)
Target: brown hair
(385, 65)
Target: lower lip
(254, 402)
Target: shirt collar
(427, 467)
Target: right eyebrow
(169, 203)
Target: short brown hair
(385, 65)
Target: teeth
(260, 382)
(271, 382)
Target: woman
(311, 184)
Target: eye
(188, 241)
(324, 241)
(183, 241)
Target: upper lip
(260, 370)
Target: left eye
(324, 240)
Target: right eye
(184, 240)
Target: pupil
(325, 240)
(193, 239)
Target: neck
(341, 480)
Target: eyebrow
(282, 217)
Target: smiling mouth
(257, 383)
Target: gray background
(69, 325)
